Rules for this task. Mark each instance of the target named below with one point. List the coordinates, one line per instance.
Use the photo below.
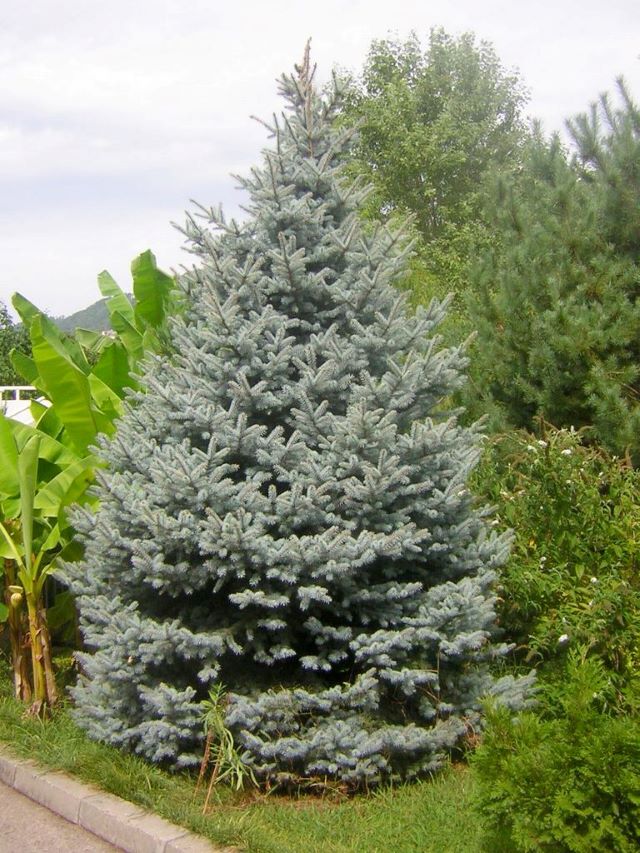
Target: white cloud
(112, 115)
(57, 268)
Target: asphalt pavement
(45, 811)
(26, 827)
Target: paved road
(26, 827)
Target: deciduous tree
(434, 122)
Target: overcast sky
(114, 115)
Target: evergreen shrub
(284, 510)
(555, 300)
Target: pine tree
(284, 510)
(557, 306)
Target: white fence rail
(15, 401)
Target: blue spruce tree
(284, 509)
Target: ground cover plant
(284, 510)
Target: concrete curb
(114, 820)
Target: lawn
(428, 816)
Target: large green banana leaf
(9, 481)
(91, 341)
(130, 337)
(27, 497)
(106, 399)
(117, 300)
(28, 478)
(152, 289)
(113, 368)
(25, 366)
(122, 315)
(30, 315)
(66, 384)
(27, 310)
(46, 420)
(65, 488)
(52, 448)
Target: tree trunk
(17, 636)
(39, 643)
(50, 681)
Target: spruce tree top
(283, 510)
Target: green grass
(428, 817)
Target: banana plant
(31, 531)
(84, 379)
(49, 465)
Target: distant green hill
(95, 317)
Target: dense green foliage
(572, 580)
(12, 336)
(48, 465)
(566, 776)
(556, 301)
(85, 377)
(434, 123)
(565, 779)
